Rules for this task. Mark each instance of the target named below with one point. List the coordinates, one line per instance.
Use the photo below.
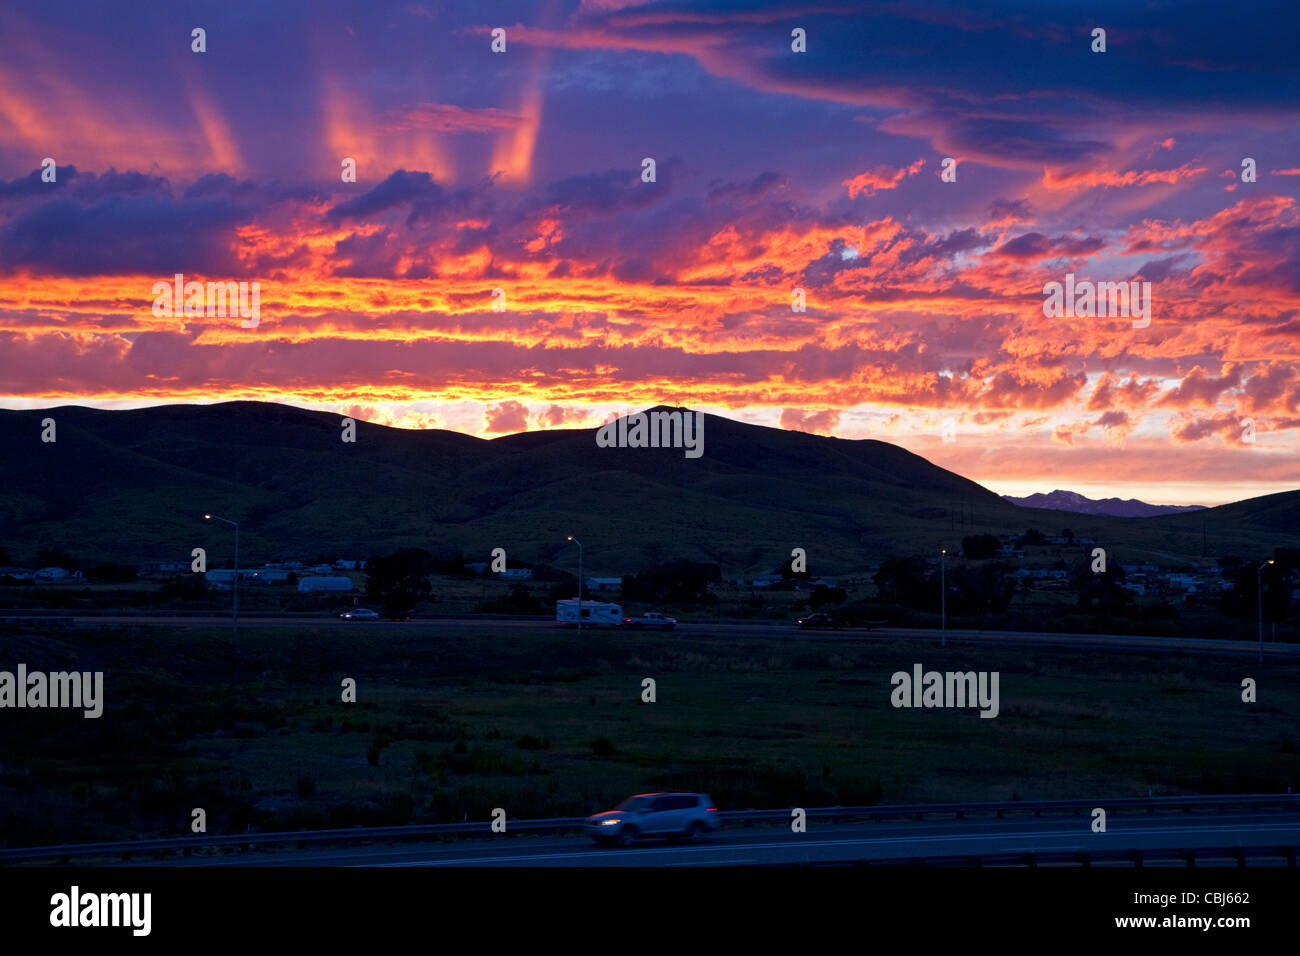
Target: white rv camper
(594, 613)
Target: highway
(823, 843)
(703, 629)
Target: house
(267, 575)
(478, 567)
(1010, 551)
(18, 574)
(164, 567)
(517, 574)
(322, 569)
(325, 583)
(56, 574)
(344, 565)
(604, 584)
(1041, 574)
(766, 580)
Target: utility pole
(1259, 598)
(943, 600)
(579, 544)
(234, 584)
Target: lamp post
(1259, 603)
(234, 585)
(943, 600)
(579, 544)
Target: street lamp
(1259, 601)
(943, 601)
(579, 544)
(234, 585)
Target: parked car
(818, 620)
(654, 619)
(360, 614)
(690, 816)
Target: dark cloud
(123, 234)
(1035, 245)
(417, 189)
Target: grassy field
(449, 725)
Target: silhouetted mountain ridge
(132, 486)
(1115, 507)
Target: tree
(4, 557)
(1033, 536)
(908, 581)
(979, 546)
(822, 595)
(1242, 599)
(111, 573)
(1103, 591)
(56, 558)
(788, 572)
(399, 581)
(980, 589)
(676, 582)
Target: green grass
(753, 722)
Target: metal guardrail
(561, 824)
(1082, 858)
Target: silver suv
(673, 815)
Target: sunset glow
(775, 171)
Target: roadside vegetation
(449, 724)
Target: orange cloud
(882, 177)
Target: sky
(923, 320)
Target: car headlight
(609, 823)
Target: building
(56, 574)
(325, 583)
(767, 580)
(164, 567)
(604, 584)
(266, 575)
(478, 567)
(517, 574)
(226, 575)
(1041, 574)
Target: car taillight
(713, 809)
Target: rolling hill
(132, 486)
